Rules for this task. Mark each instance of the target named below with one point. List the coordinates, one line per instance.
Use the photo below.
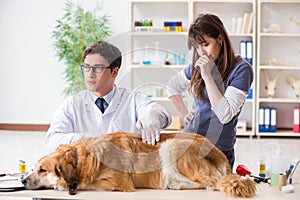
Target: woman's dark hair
(210, 25)
(111, 53)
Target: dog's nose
(24, 181)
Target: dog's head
(56, 170)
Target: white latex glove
(149, 124)
(188, 117)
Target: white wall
(31, 79)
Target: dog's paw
(180, 184)
(170, 184)
(60, 188)
(173, 185)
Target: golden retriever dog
(121, 161)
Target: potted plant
(73, 33)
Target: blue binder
(249, 55)
(267, 119)
(273, 112)
(243, 49)
(250, 93)
(261, 120)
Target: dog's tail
(238, 186)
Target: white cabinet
(278, 40)
(152, 43)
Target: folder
(176, 123)
(250, 93)
(273, 120)
(249, 52)
(243, 49)
(233, 24)
(261, 119)
(247, 22)
(267, 120)
(296, 120)
(239, 24)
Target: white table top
(264, 192)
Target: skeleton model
(271, 84)
(295, 83)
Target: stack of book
(243, 24)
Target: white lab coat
(78, 116)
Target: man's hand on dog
(150, 130)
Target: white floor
(29, 146)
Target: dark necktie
(100, 103)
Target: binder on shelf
(267, 120)
(246, 50)
(239, 24)
(296, 120)
(273, 120)
(247, 22)
(250, 93)
(249, 52)
(243, 49)
(233, 25)
(261, 120)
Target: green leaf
(74, 31)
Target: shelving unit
(277, 34)
(158, 12)
(161, 46)
(176, 42)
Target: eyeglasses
(96, 68)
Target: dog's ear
(68, 166)
(57, 170)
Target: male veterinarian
(104, 107)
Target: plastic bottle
(22, 166)
(262, 167)
(146, 60)
(167, 62)
(278, 163)
(157, 59)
